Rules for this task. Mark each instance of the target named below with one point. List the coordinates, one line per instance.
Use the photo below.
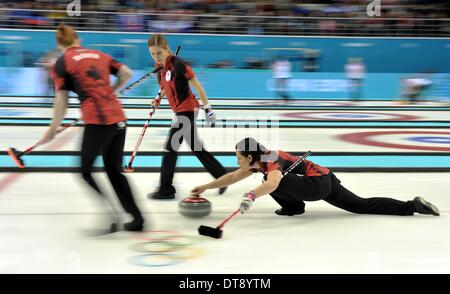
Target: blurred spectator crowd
(309, 17)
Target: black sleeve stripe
(60, 70)
(114, 67)
(60, 67)
(180, 66)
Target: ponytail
(66, 35)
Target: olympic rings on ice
(165, 248)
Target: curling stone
(194, 207)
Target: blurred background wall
(233, 44)
(227, 65)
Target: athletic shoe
(284, 211)
(423, 207)
(137, 225)
(163, 194)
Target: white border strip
(241, 35)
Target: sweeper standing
(175, 79)
(86, 72)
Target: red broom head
(14, 154)
(128, 169)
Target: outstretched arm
(223, 181)
(273, 181)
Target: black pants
(294, 190)
(109, 140)
(184, 127)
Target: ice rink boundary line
(255, 107)
(228, 169)
(46, 120)
(202, 218)
(325, 126)
(255, 123)
(264, 99)
(232, 153)
(253, 99)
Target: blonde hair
(159, 41)
(66, 35)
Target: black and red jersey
(174, 79)
(282, 161)
(87, 72)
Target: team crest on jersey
(121, 124)
(168, 75)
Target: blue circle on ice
(430, 139)
(351, 115)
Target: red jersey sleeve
(271, 166)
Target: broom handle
(228, 218)
(294, 165)
(59, 130)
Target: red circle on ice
(366, 138)
(351, 115)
